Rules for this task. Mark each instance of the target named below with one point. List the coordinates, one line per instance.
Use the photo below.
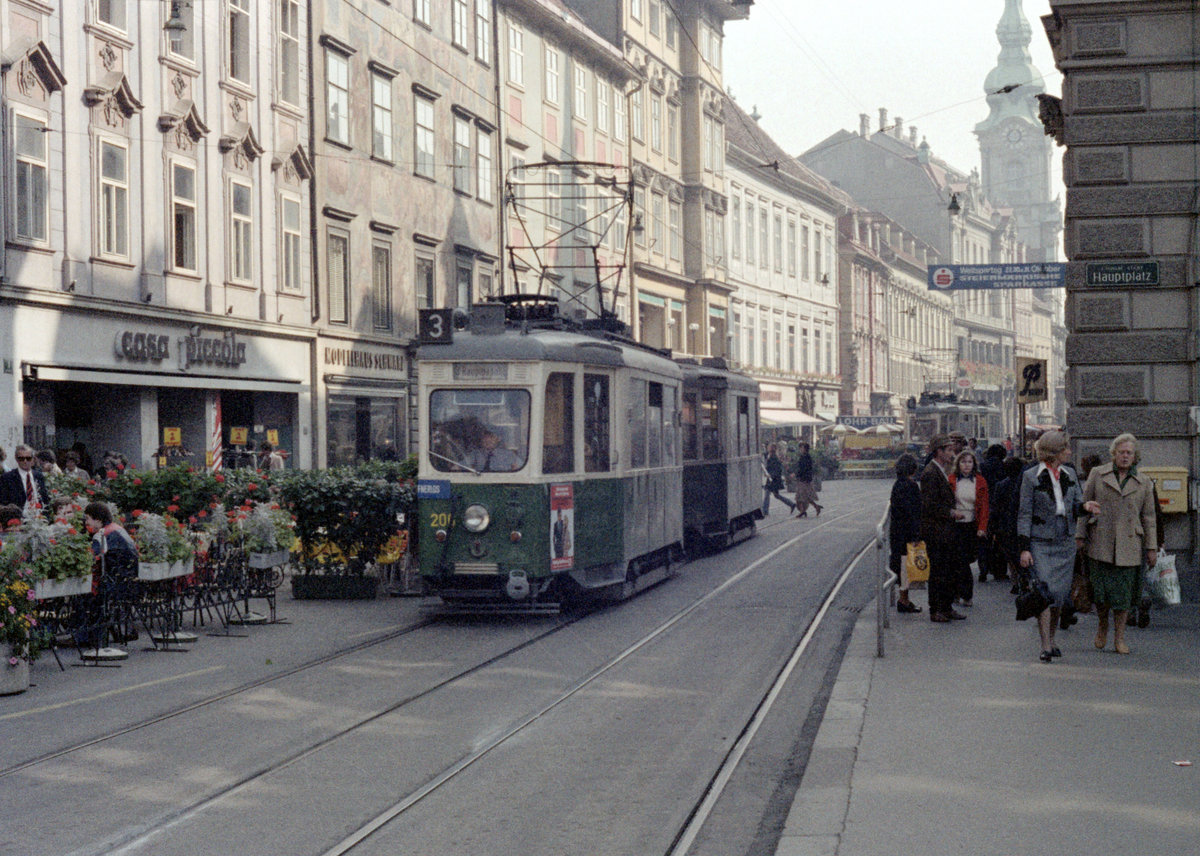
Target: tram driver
(491, 455)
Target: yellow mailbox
(1172, 486)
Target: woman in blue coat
(1051, 501)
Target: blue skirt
(1054, 561)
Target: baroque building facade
(677, 147)
(565, 158)
(406, 208)
(154, 289)
(1127, 119)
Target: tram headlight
(476, 518)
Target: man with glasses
(25, 486)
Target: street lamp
(692, 328)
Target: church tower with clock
(1014, 152)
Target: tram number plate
(436, 326)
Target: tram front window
(479, 430)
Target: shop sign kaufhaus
(220, 350)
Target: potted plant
(268, 534)
(345, 518)
(180, 552)
(153, 545)
(58, 554)
(21, 640)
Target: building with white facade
(784, 269)
(156, 266)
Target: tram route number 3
(436, 326)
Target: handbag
(1032, 602)
(916, 563)
(1081, 592)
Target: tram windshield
(479, 430)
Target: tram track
(215, 698)
(136, 838)
(348, 844)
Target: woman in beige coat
(1116, 537)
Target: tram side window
(690, 450)
(558, 446)
(654, 424)
(670, 455)
(595, 423)
(743, 425)
(637, 423)
(710, 426)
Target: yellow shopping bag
(916, 564)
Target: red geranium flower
(172, 507)
(137, 512)
(252, 486)
(219, 477)
(137, 481)
(202, 513)
(112, 474)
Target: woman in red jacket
(970, 520)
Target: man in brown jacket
(937, 528)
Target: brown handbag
(1081, 592)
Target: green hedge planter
(334, 587)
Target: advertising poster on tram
(562, 527)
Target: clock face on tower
(1014, 135)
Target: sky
(812, 67)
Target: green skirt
(1114, 586)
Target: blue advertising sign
(990, 277)
(433, 489)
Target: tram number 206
(439, 519)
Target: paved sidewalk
(960, 741)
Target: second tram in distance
(560, 458)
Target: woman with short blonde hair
(1048, 446)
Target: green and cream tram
(550, 462)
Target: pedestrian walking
(1051, 501)
(904, 514)
(937, 529)
(1117, 537)
(806, 491)
(970, 521)
(774, 484)
(1002, 520)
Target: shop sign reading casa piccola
(193, 349)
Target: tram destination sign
(1122, 273)
(999, 276)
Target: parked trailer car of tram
(552, 458)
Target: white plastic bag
(1163, 582)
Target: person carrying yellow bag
(905, 531)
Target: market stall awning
(776, 417)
